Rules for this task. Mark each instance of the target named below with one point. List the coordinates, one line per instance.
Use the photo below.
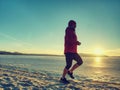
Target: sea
(104, 69)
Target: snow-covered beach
(16, 78)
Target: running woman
(70, 51)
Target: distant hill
(10, 53)
(18, 53)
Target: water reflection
(97, 59)
(97, 62)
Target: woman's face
(73, 25)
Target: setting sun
(98, 51)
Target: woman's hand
(78, 43)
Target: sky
(38, 26)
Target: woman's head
(72, 24)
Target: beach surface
(16, 78)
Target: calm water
(95, 68)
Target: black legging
(70, 57)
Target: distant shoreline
(18, 53)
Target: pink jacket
(70, 44)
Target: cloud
(7, 36)
(113, 52)
(17, 43)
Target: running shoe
(70, 74)
(64, 80)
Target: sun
(98, 51)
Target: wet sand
(12, 78)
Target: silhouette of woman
(70, 51)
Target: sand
(13, 78)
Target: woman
(70, 51)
